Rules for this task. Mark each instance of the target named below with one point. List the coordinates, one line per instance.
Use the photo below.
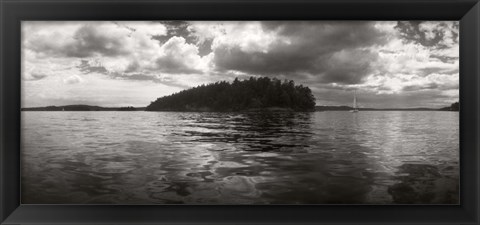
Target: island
(253, 94)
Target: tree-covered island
(253, 94)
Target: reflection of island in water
(246, 158)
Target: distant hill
(253, 94)
(82, 108)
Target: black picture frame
(14, 11)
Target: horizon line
(315, 106)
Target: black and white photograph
(240, 112)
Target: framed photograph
(288, 112)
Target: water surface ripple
(240, 158)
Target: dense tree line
(240, 95)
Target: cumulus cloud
(87, 39)
(387, 62)
(294, 48)
(348, 66)
(179, 57)
(119, 50)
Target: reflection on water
(240, 158)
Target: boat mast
(355, 99)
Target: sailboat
(355, 108)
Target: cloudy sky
(390, 64)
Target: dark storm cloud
(350, 68)
(261, 63)
(329, 34)
(411, 32)
(85, 67)
(313, 49)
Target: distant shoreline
(130, 108)
(346, 108)
(82, 108)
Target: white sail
(355, 100)
(355, 108)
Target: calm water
(240, 158)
